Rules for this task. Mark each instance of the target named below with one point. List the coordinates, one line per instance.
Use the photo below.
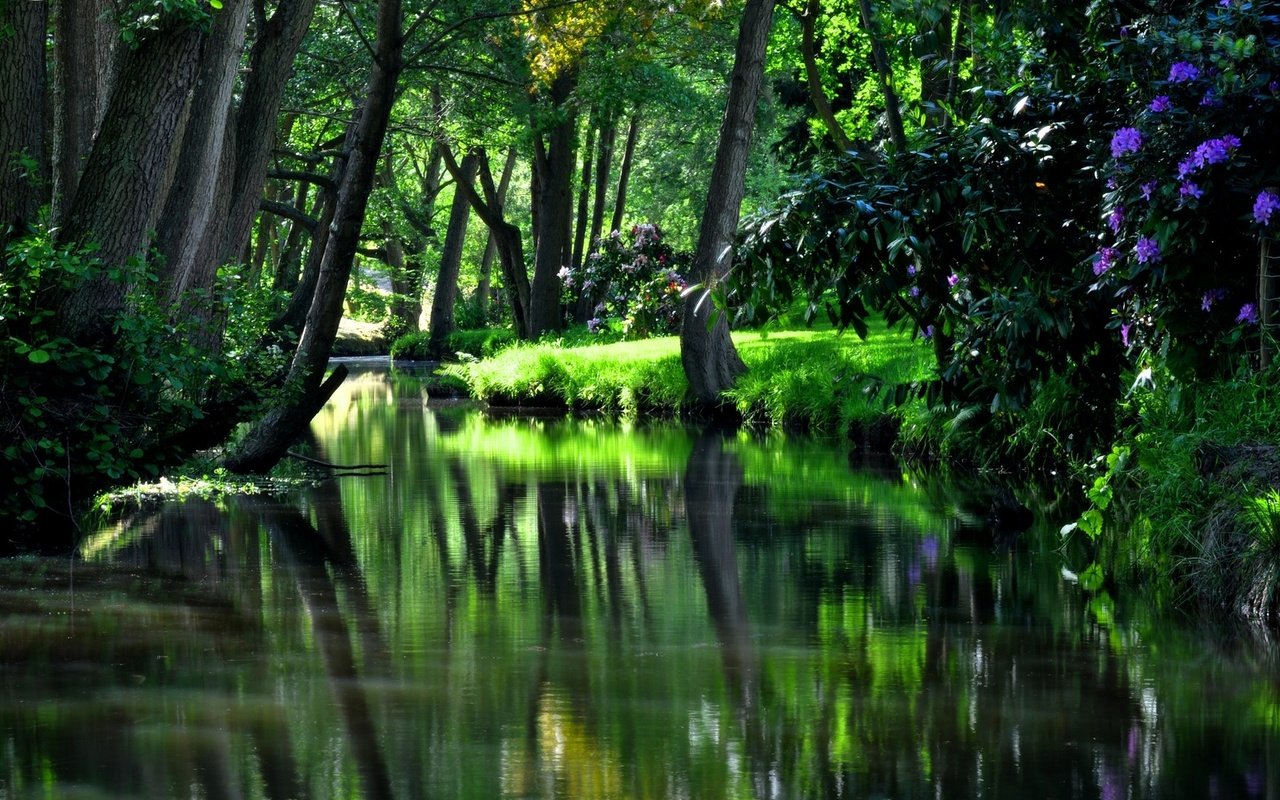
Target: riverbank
(799, 379)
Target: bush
(633, 288)
(481, 343)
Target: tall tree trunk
(555, 168)
(604, 166)
(624, 175)
(186, 213)
(711, 363)
(80, 61)
(584, 195)
(286, 276)
(491, 247)
(267, 442)
(22, 95)
(818, 95)
(892, 113)
(446, 294)
(122, 189)
(507, 236)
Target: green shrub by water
(478, 343)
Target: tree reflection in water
(543, 609)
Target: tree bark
(510, 246)
(80, 60)
(22, 95)
(270, 438)
(892, 114)
(711, 363)
(491, 247)
(446, 294)
(554, 167)
(624, 176)
(584, 195)
(604, 165)
(187, 212)
(818, 95)
(122, 187)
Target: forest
(1069, 208)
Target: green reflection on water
(547, 608)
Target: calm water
(546, 608)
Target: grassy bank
(798, 378)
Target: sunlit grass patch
(801, 378)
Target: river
(534, 606)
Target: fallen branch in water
(330, 465)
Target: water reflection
(536, 608)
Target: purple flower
(1105, 260)
(565, 275)
(1148, 189)
(1211, 297)
(1189, 189)
(1266, 203)
(1210, 151)
(1183, 71)
(911, 269)
(928, 332)
(1248, 314)
(594, 324)
(1148, 250)
(1113, 184)
(1160, 103)
(1125, 329)
(952, 280)
(1210, 100)
(915, 291)
(1115, 219)
(1125, 141)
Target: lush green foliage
(79, 417)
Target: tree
(22, 92)
(267, 442)
(710, 360)
(446, 293)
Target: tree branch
(323, 181)
(288, 211)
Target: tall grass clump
(1194, 497)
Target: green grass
(798, 378)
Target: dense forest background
(1066, 201)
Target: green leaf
(39, 356)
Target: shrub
(632, 287)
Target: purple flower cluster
(1190, 190)
(1115, 219)
(1210, 151)
(1248, 314)
(1148, 250)
(1264, 206)
(1160, 103)
(1212, 297)
(1148, 188)
(1125, 141)
(1183, 71)
(1105, 260)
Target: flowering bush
(1188, 181)
(631, 287)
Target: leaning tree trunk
(506, 236)
(813, 77)
(604, 165)
(491, 247)
(446, 294)
(584, 196)
(267, 442)
(125, 178)
(22, 88)
(711, 363)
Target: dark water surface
(543, 608)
